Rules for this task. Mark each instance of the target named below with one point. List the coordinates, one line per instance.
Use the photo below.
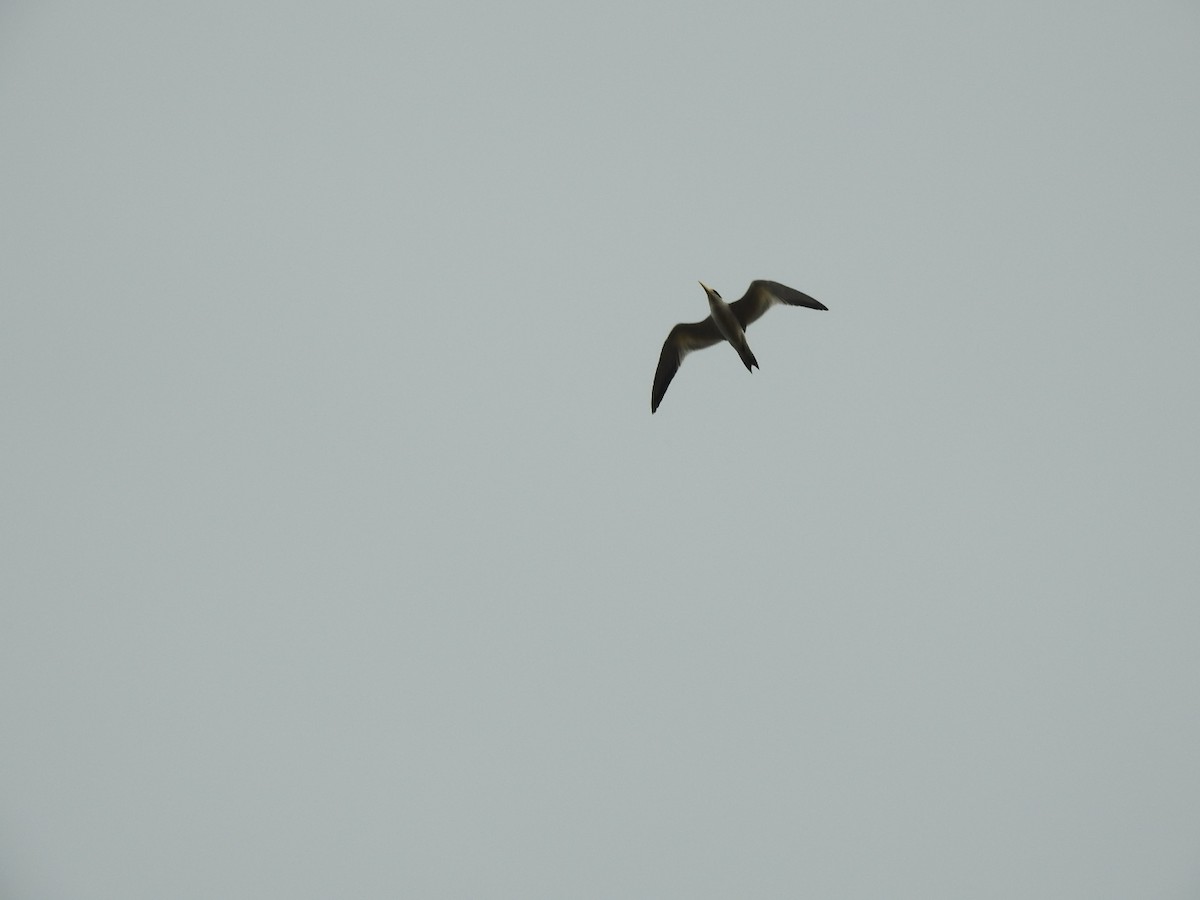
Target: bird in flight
(727, 322)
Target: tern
(727, 322)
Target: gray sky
(343, 557)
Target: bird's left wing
(762, 295)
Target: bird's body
(726, 322)
(731, 329)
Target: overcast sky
(342, 556)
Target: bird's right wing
(683, 339)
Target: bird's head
(711, 293)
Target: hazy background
(342, 556)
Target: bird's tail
(747, 356)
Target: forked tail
(747, 356)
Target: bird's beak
(707, 289)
